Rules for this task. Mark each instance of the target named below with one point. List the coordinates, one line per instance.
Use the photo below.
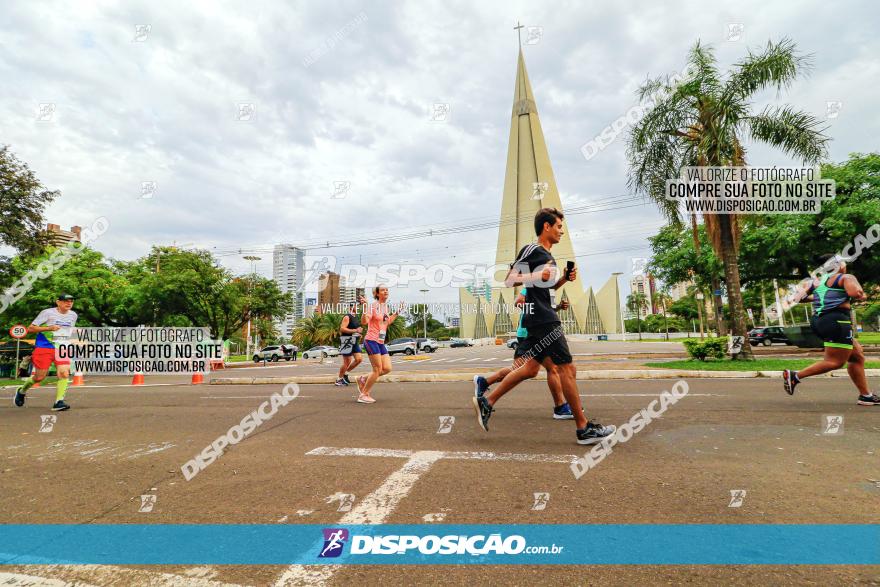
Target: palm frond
(778, 65)
(797, 133)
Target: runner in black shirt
(536, 268)
(350, 331)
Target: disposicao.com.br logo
(454, 544)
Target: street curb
(581, 375)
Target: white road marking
(465, 455)
(379, 505)
(373, 509)
(649, 395)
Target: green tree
(702, 121)
(191, 285)
(788, 246)
(23, 199)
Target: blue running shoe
(563, 412)
(481, 386)
(19, 398)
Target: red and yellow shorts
(43, 359)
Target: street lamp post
(253, 261)
(425, 311)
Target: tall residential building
(679, 290)
(59, 237)
(328, 289)
(332, 291)
(288, 270)
(644, 284)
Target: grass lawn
(44, 383)
(756, 365)
(237, 359)
(869, 338)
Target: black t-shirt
(353, 322)
(540, 295)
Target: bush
(713, 348)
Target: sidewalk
(621, 374)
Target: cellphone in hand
(569, 265)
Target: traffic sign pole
(18, 331)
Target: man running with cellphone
(545, 345)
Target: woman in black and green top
(831, 293)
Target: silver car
(321, 351)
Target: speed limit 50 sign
(18, 331)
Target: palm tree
(663, 299)
(635, 302)
(703, 120)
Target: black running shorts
(545, 341)
(834, 327)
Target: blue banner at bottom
(519, 544)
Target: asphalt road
(117, 444)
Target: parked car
(767, 335)
(274, 353)
(512, 343)
(428, 345)
(321, 351)
(459, 342)
(407, 346)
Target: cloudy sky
(344, 92)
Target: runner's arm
(343, 327)
(854, 288)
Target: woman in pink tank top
(377, 317)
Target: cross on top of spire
(518, 28)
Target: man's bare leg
(568, 379)
(856, 369)
(516, 376)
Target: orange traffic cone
(198, 378)
(138, 379)
(78, 378)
